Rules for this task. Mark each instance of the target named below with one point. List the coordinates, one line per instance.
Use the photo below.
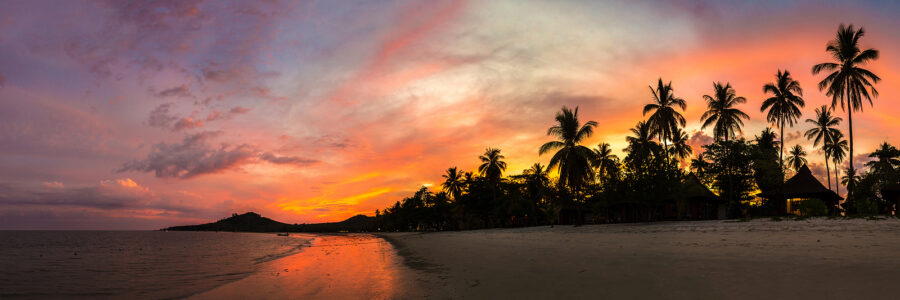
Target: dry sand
(810, 259)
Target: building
(803, 186)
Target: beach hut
(891, 194)
(803, 186)
(697, 202)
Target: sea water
(131, 264)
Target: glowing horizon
(146, 115)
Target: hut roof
(692, 188)
(802, 185)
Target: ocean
(132, 264)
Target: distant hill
(253, 222)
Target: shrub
(813, 208)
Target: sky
(149, 114)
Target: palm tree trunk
(837, 184)
(850, 124)
(827, 171)
(781, 155)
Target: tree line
(592, 180)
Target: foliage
(813, 208)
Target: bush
(813, 208)
(866, 206)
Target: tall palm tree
(453, 182)
(797, 158)
(680, 147)
(492, 164)
(785, 103)
(848, 83)
(836, 148)
(575, 161)
(665, 118)
(605, 159)
(887, 159)
(825, 131)
(722, 113)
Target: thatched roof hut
(803, 186)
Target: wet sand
(818, 259)
(332, 267)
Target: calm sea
(131, 264)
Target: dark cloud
(108, 195)
(239, 110)
(160, 116)
(186, 123)
(293, 160)
(181, 91)
(193, 157)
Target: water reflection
(333, 267)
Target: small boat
(283, 234)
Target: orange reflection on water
(332, 267)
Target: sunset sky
(148, 114)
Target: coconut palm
(665, 118)
(785, 103)
(836, 148)
(850, 179)
(538, 173)
(700, 165)
(605, 159)
(574, 161)
(722, 113)
(766, 139)
(492, 164)
(824, 131)
(797, 158)
(680, 147)
(848, 83)
(886, 159)
(642, 138)
(453, 182)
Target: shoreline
(814, 258)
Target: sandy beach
(809, 259)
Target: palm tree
(824, 131)
(680, 147)
(665, 119)
(642, 138)
(887, 159)
(453, 183)
(538, 173)
(836, 148)
(796, 159)
(575, 162)
(605, 159)
(700, 165)
(492, 164)
(722, 113)
(850, 179)
(848, 83)
(766, 139)
(784, 106)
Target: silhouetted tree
(721, 112)
(574, 161)
(492, 164)
(785, 103)
(665, 118)
(797, 158)
(825, 131)
(848, 83)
